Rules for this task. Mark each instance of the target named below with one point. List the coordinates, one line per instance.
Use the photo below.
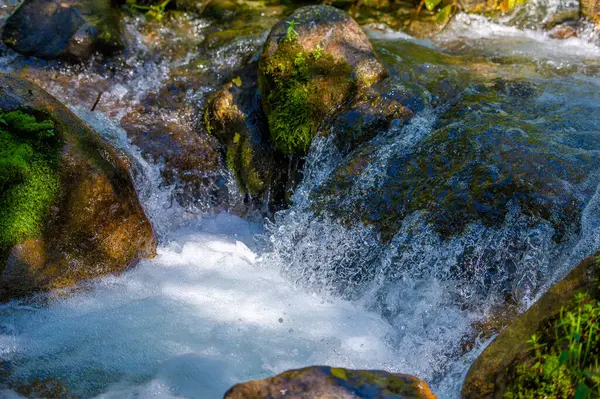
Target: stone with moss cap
(72, 29)
(68, 208)
(313, 62)
(321, 382)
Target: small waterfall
(228, 299)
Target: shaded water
(228, 299)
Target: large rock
(457, 175)
(313, 61)
(68, 209)
(493, 370)
(72, 29)
(321, 382)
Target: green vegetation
(241, 161)
(153, 11)
(291, 34)
(29, 181)
(564, 361)
(307, 86)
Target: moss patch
(306, 87)
(29, 178)
(241, 161)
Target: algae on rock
(321, 382)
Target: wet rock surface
(72, 29)
(83, 221)
(327, 382)
(468, 174)
(233, 115)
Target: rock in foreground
(320, 382)
(68, 208)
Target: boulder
(494, 369)
(320, 382)
(189, 161)
(457, 176)
(71, 29)
(68, 208)
(313, 62)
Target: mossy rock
(233, 118)
(320, 382)
(471, 168)
(72, 29)
(313, 62)
(493, 370)
(68, 208)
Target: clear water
(228, 300)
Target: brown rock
(189, 161)
(563, 32)
(95, 224)
(321, 382)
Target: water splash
(228, 300)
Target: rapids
(230, 299)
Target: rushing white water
(228, 300)
(203, 315)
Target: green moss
(339, 373)
(307, 86)
(253, 180)
(29, 180)
(206, 121)
(241, 161)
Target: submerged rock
(495, 369)
(380, 106)
(313, 62)
(476, 163)
(47, 388)
(72, 29)
(68, 209)
(321, 382)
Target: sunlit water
(228, 300)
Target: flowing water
(230, 299)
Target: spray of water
(227, 300)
